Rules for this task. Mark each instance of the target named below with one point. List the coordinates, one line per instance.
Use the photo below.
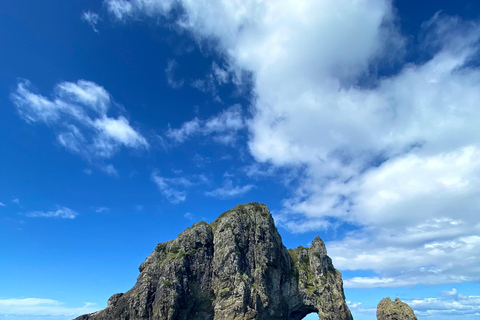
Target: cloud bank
(395, 155)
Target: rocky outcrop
(233, 268)
(394, 310)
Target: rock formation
(233, 268)
(394, 310)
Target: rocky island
(233, 268)
(394, 310)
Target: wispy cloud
(60, 212)
(170, 73)
(166, 187)
(175, 188)
(2, 204)
(123, 9)
(217, 76)
(16, 201)
(228, 190)
(221, 75)
(207, 85)
(101, 209)
(222, 127)
(42, 307)
(110, 170)
(92, 19)
(77, 112)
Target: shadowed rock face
(234, 268)
(394, 310)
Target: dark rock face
(394, 310)
(234, 268)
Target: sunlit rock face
(233, 268)
(394, 310)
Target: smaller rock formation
(394, 310)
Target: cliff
(234, 268)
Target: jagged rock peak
(234, 268)
(394, 310)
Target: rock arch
(234, 268)
(300, 313)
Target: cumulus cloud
(61, 212)
(78, 114)
(223, 127)
(450, 305)
(30, 307)
(393, 159)
(446, 305)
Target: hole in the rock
(303, 313)
(311, 316)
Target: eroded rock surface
(394, 310)
(234, 268)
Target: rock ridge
(234, 268)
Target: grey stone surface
(394, 310)
(234, 268)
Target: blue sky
(124, 122)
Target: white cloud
(207, 85)
(411, 258)
(170, 73)
(187, 130)
(120, 131)
(174, 188)
(165, 187)
(77, 112)
(217, 76)
(223, 127)
(228, 190)
(189, 216)
(101, 209)
(92, 19)
(110, 170)
(60, 212)
(42, 307)
(2, 204)
(16, 200)
(221, 75)
(397, 159)
(122, 9)
(448, 306)
(87, 93)
(33, 107)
